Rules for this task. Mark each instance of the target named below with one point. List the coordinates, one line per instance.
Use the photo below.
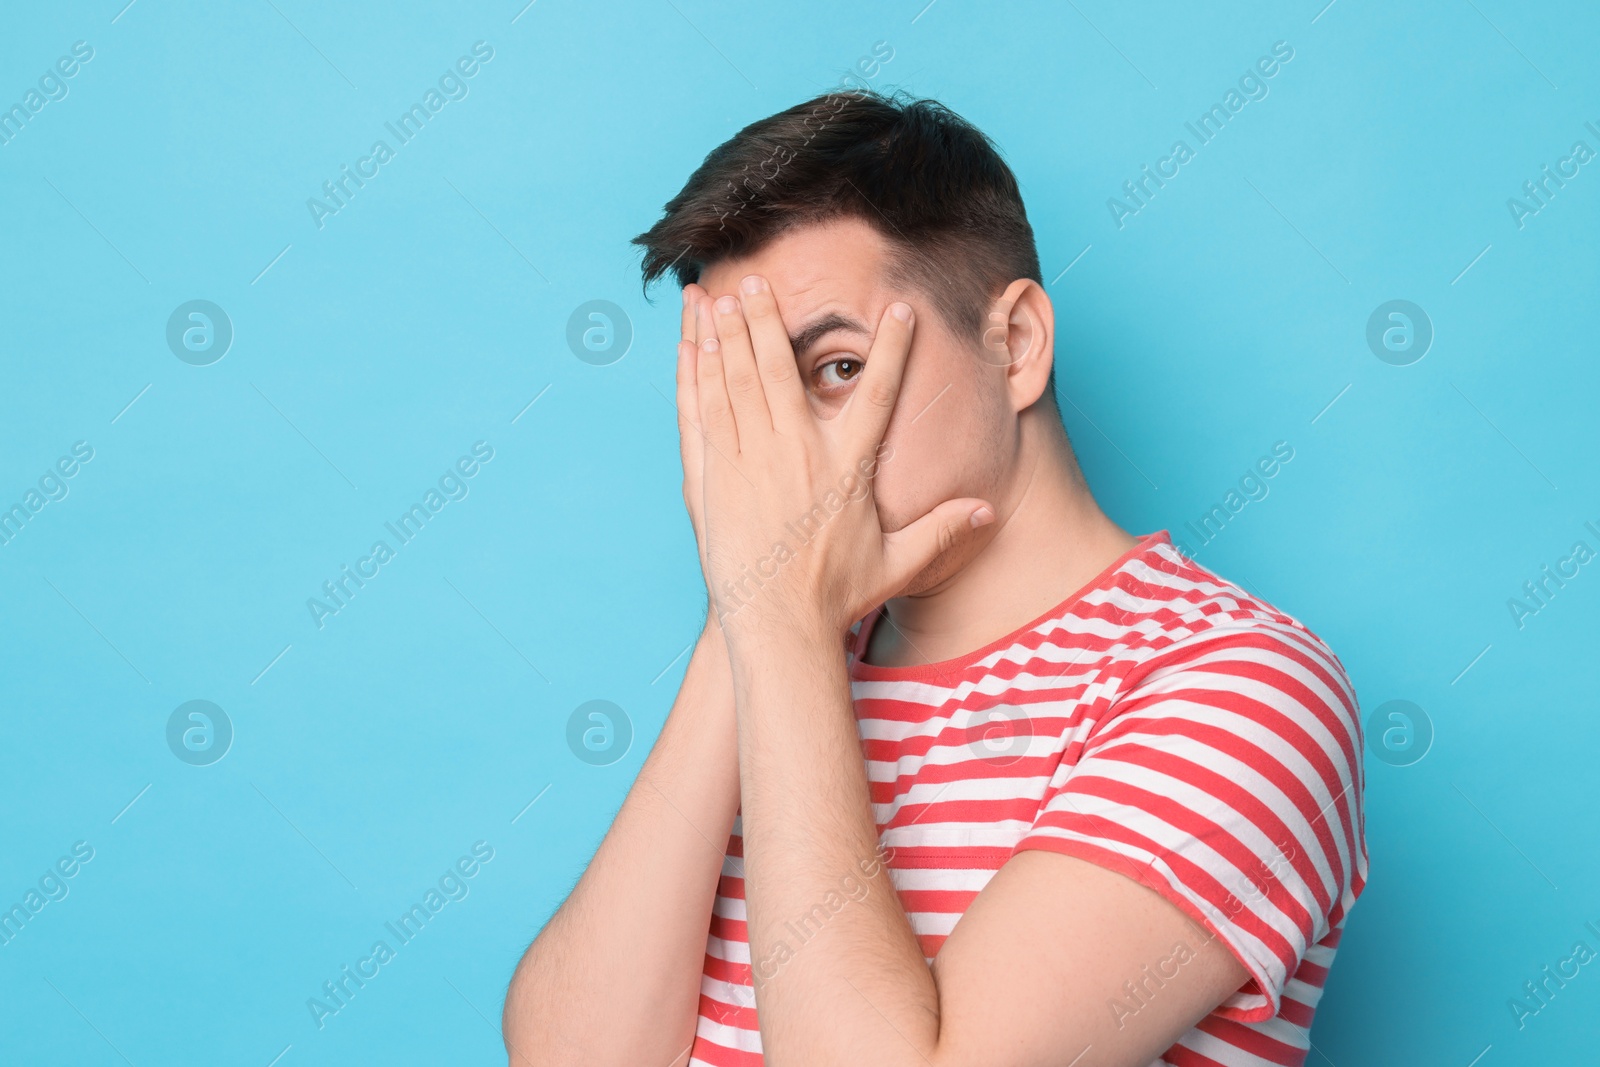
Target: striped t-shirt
(1161, 723)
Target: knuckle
(879, 394)
(743, 383)
(781, 370)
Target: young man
(960, 773)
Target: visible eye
(834, 377)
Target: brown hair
(926, 179)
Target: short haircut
(926, 179)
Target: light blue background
(1227, 315)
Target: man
(960, 772)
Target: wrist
(787, 637)
(711, 642)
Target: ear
(1020, 339)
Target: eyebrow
(802, 340)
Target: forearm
(614, 977)
(811, 842)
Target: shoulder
(1190, 619)
(1233, 681)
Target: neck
(1051, 540)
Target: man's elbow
(518, 1025)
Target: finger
(693, 295)
(786, 397)
(691, 311)
(711, 387)
(688, 373)
(909, 550)
(688, 404)
(872, 402)
(696, 296)
(687, 333)
(745, 391)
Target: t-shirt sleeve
(1227, 777)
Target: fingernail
(903, 313)
(686, 296)
(726, 305)
(982, 517)
(753, 283)
(709, 344)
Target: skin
(973, 420)
(975, 522)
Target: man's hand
(691, 441)
(793, 535)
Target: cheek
(895, 489)
(955, 449)
(926, 468)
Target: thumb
(907, 551)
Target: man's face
(953, 432)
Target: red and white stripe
(1161, 723)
